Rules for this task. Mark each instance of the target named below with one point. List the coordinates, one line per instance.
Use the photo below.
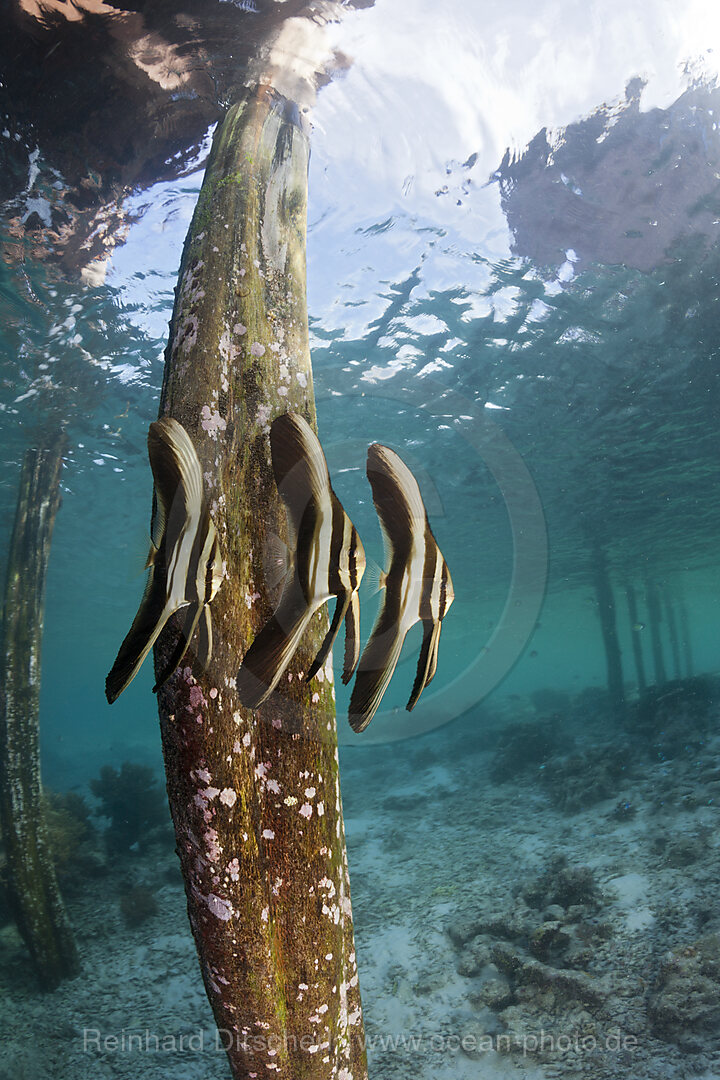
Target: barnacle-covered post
(32, 884)
(255, 796)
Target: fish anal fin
(273, 648)
(376, 667)
(205, 638)
(192, 618)
(341, 607)
(151, 617)
(427, 661)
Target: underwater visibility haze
(513, 299)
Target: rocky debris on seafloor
(684, 1005)
(138, 904)
(577, 781)
(675, 716)
(579, 766)
(533, 954)
(523, 748)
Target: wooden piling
(255, 796)
(652, 601)
(635, 631)
(32, 884)
(608, 627)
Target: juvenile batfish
(184, 560)
(328, 560)
(417, 586)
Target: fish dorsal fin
(397, 500)
(157, 528)
(301, 472)
(177, 475)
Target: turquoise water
(513, 279)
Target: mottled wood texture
(32, 884)
(255, 797)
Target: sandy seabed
(502, 927)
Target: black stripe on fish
(352, 559)
(325, 544)
(417, 586)
(183, 545)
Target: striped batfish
(418, 587)
(328, 560)
(184, 560)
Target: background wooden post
(606, 612)
(32, 884)
(654, 610)
(635, 632)
(255, 797)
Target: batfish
(417, 584)
(184, 560)
(328, 559)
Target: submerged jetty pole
(686, 638)
(654, 619)
(32, 884)
(669, 607)
(606, 611)
(635, 632)
(255, 796)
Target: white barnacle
(222, 909)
